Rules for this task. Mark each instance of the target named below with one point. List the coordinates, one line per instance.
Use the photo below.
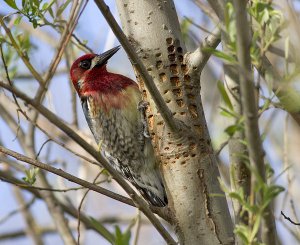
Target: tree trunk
(187, 159)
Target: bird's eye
(85, 64)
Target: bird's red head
(88, 73)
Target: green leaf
(62, 8)
(50, 11)
(228, 113)
(30, 177)
(45, 6)
(122, 238)
(220, 54)
(230, 130)
(103, 231)
(18, 20)
(243, 232)
(236, 196)
(11, 3)
(224, 94)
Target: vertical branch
(250, 112)
(240, 175)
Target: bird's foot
(142, 107)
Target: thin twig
(289, 219)
(11, 84)
(27, 186)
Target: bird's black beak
(101, 59)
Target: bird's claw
(142, 106)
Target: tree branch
(198, 59)
(250, 112)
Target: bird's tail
(149, 183)
(155, 200)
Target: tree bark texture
(187, 159)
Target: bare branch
(198, 59)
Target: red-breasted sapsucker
(115, 113)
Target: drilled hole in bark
(179, 50)
(177, 92)
(158, 54)
(192, 146)
(166, 148)
(168, 101)
(183, 113)
(187, 78)
(166, 91)
(193, 111)
(184, 68)
(193, 155)
(183, 162)
(171, 57)
(179, 103)
(145, 93)
(162, 77)
(150, 116)
(160, 123)
(149, 69)
(174, 113)
(179, 144)
(174, 69)
(169, 40)
(159, 64)
(191, 96)
(180, 58)
(189, 88)
(171, 49)
(175, 81)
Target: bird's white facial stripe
(94, 61)
(80, 83)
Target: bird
(115, 113)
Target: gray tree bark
(187, 158)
